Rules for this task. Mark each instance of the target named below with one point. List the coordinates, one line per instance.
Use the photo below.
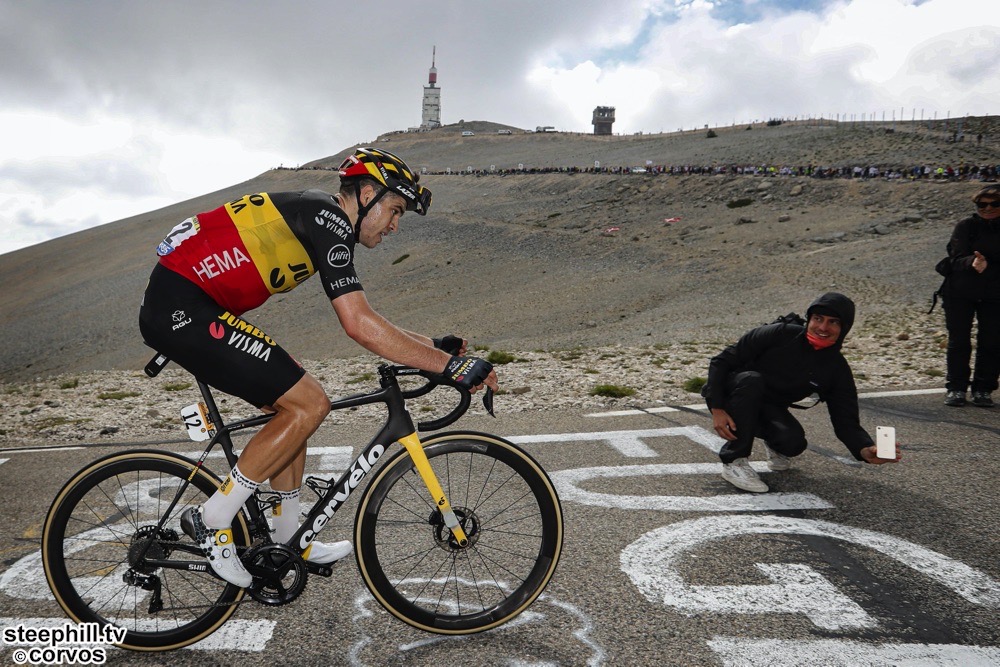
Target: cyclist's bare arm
(376, 334)
(462, 349)
(380, 336)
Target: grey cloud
(967, 57)
(55, 177)
(197, 64)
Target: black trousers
(958, 316)
(756, 418)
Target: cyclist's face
(382, 220)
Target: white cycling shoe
(324, 554)
(217, 546)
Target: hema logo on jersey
(339, 256)
(216, 264)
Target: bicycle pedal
(318, 485)
(321, 570)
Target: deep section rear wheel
(509, 511)
(100, 534)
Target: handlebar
(434, 380)
(388, 375)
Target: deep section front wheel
(509, 510)
(101, 539)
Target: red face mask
(819, 343)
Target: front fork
(416, 452)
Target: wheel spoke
(509, 512)
(102, 529)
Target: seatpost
(213, 410)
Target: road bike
(454, 534)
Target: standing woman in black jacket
(972, 291)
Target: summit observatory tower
(431, 116)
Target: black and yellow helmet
(391, 172)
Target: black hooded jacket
(972, 234)
(793, 370)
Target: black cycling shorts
(225, 351)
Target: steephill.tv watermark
(66, 644)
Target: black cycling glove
(467, 372)
(450, 344)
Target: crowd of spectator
(964, 172)
(985, 173)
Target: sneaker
(742, 476)
(982, 399)
(324, 554)
(955, 399)
(776, 460)
(218, 547)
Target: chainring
(279, 574)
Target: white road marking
(735, 651)
(568, 483)
(37, 450)
(703, 408)
(651, 563)
(627, 443)
(582, 629)
(332, 459)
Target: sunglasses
(987, 204)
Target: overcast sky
(113, 108)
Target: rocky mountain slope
(555, 260)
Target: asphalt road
(664, 562)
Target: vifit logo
(217, 330)
(339, 256)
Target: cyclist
(215, 266)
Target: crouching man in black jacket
(752, 384)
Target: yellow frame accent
(416, 452)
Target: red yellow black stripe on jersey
(239, 254)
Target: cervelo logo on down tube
(339, 256)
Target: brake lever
(488, 401)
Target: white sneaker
(776, 460)
(218, 547)
(324, 554)
(742, 476)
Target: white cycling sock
(219, 510)
(285, 516)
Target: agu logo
(217, 330)
(339, 256)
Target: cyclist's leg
(290, 477)
(231, 354)
(282, 441)
(288, 483)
